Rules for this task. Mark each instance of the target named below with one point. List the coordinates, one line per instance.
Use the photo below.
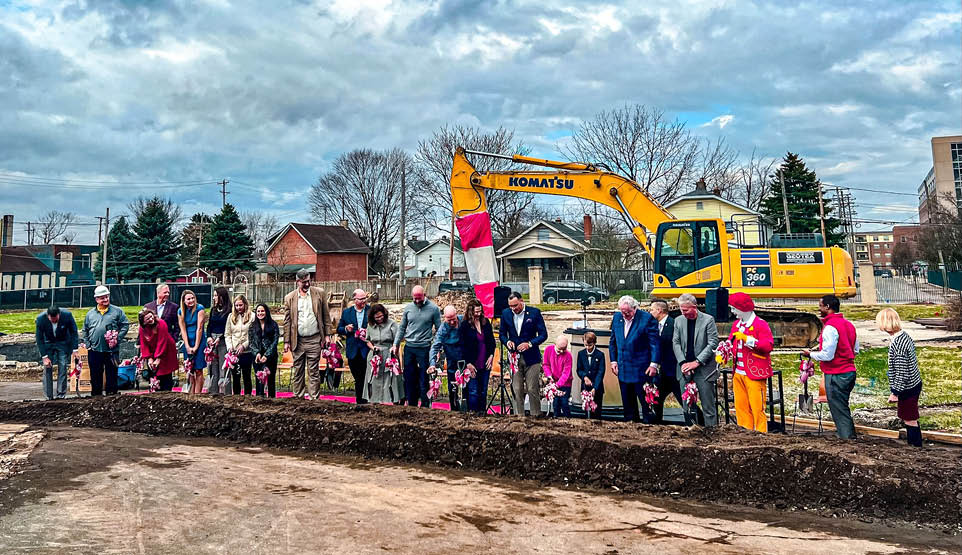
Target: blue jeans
(416, 375)
(477, 392)
(61, 357)
(562, 405)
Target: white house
(431, 258)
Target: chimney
(587, 226)
(716, 191)
(6, 231)
(557, 220)
(414, 238)
(344, 223)
(700, 187)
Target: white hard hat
(101, 291)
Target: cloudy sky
(267, 93)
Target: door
(689, 253)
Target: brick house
(329, 252)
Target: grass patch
(941, 369)
(868, 312)
(25, 321)
(950, 421)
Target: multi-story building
(942, 186)
(875, 247)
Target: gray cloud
(269, 93)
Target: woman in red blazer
(157, 348)
(752, 345)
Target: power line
(67, 180)
(878, 191)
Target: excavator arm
(641, 213)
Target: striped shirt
(903, 371)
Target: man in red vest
(752, 345)
(836, 352)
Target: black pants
(102, 369)
(166, 382)
(416, 376)
(668, 385)
(453, 397)
(599, 400)
(358, 366)
(244, 363)
(271, 365)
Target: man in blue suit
(352, 319)
(522, 332)
(57, 339)
(635, 349)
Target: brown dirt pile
(865, 479)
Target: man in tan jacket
(306, 326)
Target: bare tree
(53, 225)
(260, 227)
(278, 258)
(718, 166)
(433, 161)
(365, 185)
(753, 186)
(640, 143)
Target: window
(543, 234)
(901, 239)
(708, 239)
(888, 255)
(677, 252)
(888, 245)
(876, 246)
(699, 205)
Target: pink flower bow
(690, 394)
(513, 362)
(393, 365)
(806, 369)
(651, 394)
(153, 384)
(75, 371)
(724, 353)
(263, 374)
(210, 352)
(435, 386)
(375, 365)
(462, 377)
(230, 360)
(111, 338)
(332, 355)
(189, 366)
(361, 334)
(588, 403)
(551, 391)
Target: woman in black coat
(263, 336)
(478, 350)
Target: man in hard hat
(103, 321)
(752, 345)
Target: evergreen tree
(119, 242)
(155, 247)
(228, 246)
(192, 238)
(801, 191)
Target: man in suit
(447, 342)
(591, 370)
(694, 342)
(306, 325)
(668, 375)
(353, 319)
(522, 332)
(166, 310)
(57, 339)
(634, 349)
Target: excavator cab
(688, 253)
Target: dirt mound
(865, 479)
(459, 299)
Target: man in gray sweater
(419, 322)
(102, 351)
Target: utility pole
(821, 214)
(788, 223)
(100, 229)
(402, 275)
(29, 234)
(223, 192)
(451, 250)
(103, 265)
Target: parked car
(572, 291)
(455, 285)
(883, 273)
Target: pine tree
(119, 241)
(192, 237)
(228, 246)
(155, 246)
(801, 191)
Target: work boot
(913, 435)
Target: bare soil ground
(870, 480)
(97, 491)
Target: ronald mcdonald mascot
(752, 344)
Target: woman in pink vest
(836, 352)
(752, 345)
(557, 366)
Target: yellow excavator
(690, 256)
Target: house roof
(325, 238)
(418, 245)
(444, 240)
(187, 271)
(575, 233)
(700, 192)
(285, 269)
(15, 260)
(553, 248)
